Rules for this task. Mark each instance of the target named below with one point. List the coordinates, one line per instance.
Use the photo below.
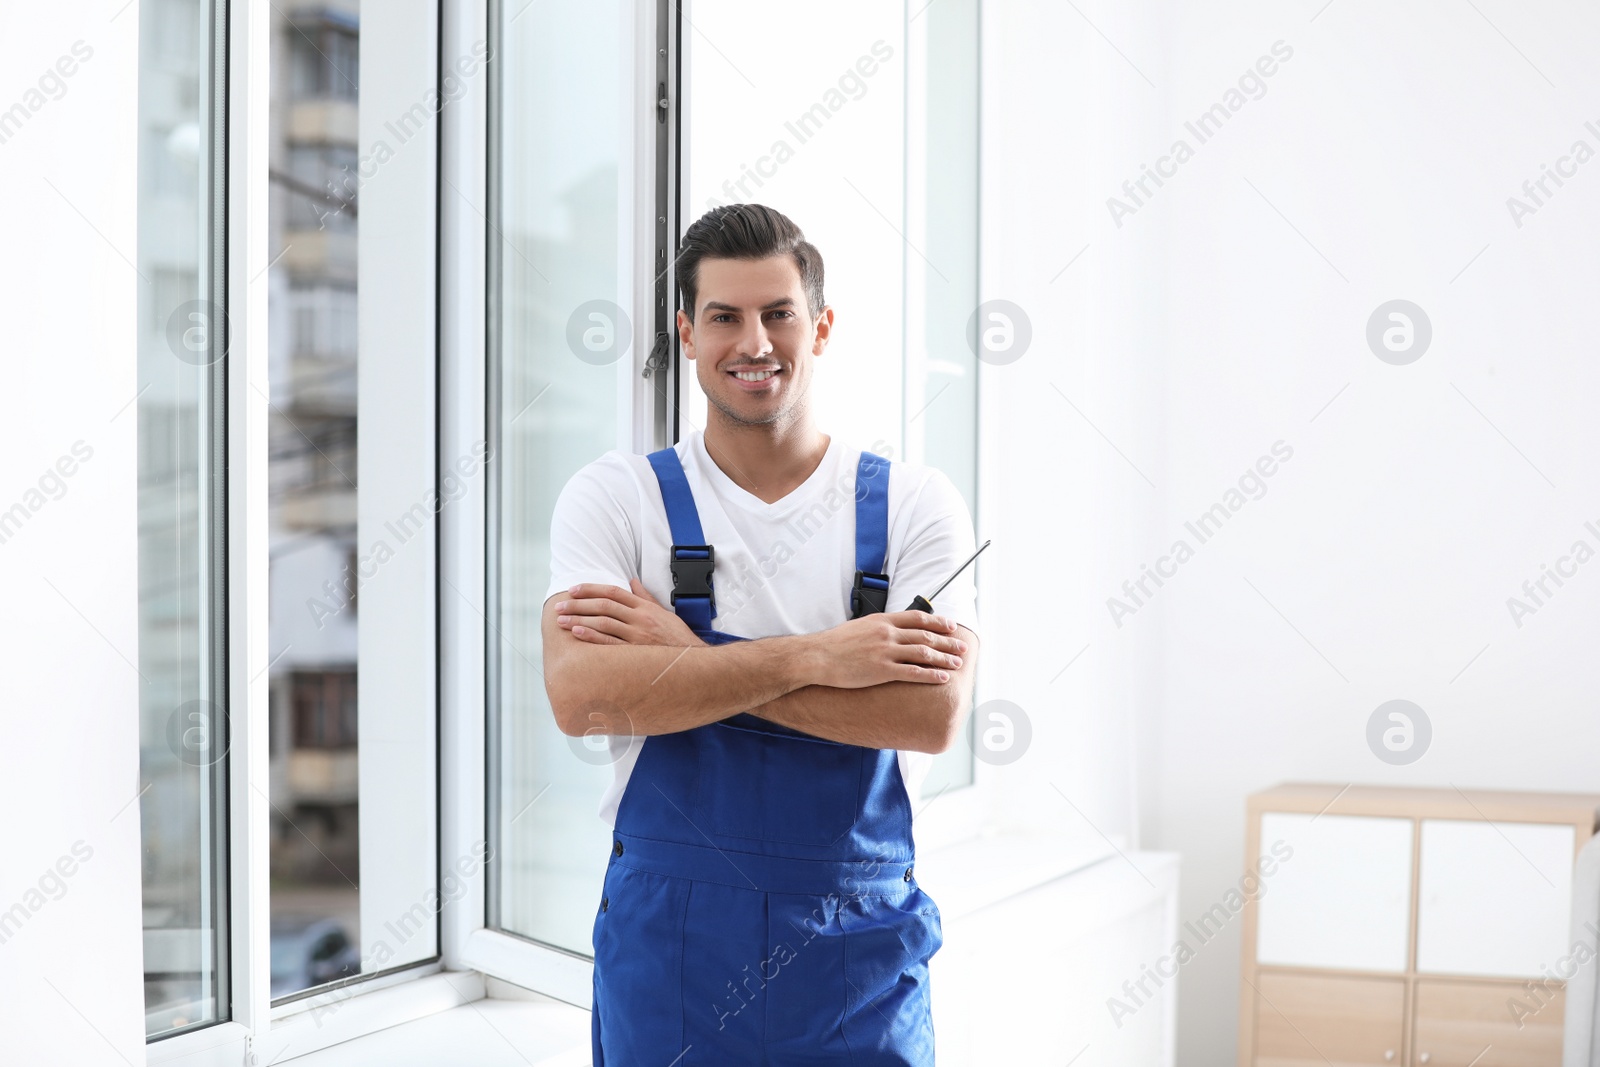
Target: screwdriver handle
(921, 604)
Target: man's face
(752, 316)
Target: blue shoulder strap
(871, 590)
(692, 559)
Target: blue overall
(759, 906)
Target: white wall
(70, 960)
(1378, 563)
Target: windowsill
(513, 1027)
(965, 876)
(529, 1031)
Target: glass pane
(868, 140)
(556, 137)
(941, 367)
(796, 115)
(312, 577)
(182, 373)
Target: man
(722, 609)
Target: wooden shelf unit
(1408, 974)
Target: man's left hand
(611, 615)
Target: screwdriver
(921, 604)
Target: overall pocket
(768, 787)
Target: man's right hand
(893, 646)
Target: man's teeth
(754, 376)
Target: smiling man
(721, 610)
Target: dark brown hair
(746, 231)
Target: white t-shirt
(782, 568)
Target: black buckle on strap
(866, 599)
(692, 577)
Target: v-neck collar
(732, 491)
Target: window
(314, 505)
(335, 860)
(869, 141)
(325, 326)
(278, 864)
(352, 512)
(324, 52)
(324, 709)
(183, 340)
(572, 219)
(558, 255)
(324, 180)
(940, 254)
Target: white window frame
(470, 952)
(248, 921)
(255, 1028)
(469, 942)
(963, 813)
(960, 815)
(971, 810)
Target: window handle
(658, 355)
